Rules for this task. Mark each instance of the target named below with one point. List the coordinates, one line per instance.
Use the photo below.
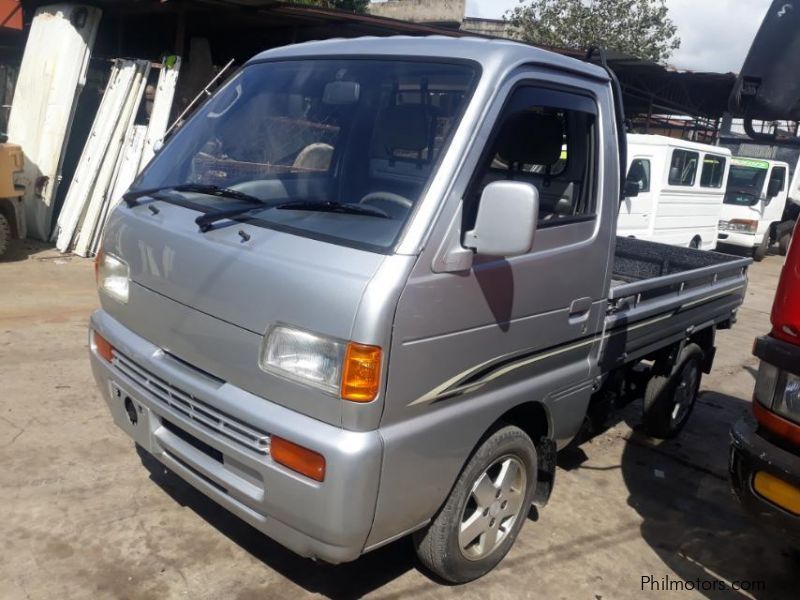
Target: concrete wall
(491, 27)
(421, 11)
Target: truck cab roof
(493, 55)
(646, 139)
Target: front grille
(193, 441)
(210, 418)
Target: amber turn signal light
(361, 375)
(297, 458)
(103, 348)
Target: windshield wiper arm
(330, 206)
(204, 222)
(133, 196)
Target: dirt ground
(82, 518)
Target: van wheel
(695, 243)
(669, 399)
(783, 243)
(485, 510)
(5, 234)
(760, 251)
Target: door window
(778, 178)
(546, 138)
(713, 171)
(683, 168)
(639, 173)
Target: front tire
(669, 399)
(485, 510)
(760, 251)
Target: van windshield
(328, 145)
(745, 183)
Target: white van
(754, 204)
(681, 188)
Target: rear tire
(669, 399)
(485, 510)
(5, 234)
(695, 243)
(760, 251)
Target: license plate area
(193, 441)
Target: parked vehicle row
(387, 319)
(699, 196)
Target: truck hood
(269, 278)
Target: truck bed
(661, 293)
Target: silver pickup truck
(373, 286)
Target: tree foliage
(359, 6)
(641, 28)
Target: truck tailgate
(661, 293)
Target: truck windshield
(745, 183)
(304, 136)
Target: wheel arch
(534, 419)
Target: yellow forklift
(12, 211)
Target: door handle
(580, 306)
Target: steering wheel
(373, 197)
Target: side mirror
(631, 189)
(506, 221)
(773, 188)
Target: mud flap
(546, 451)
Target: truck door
(521, 328)
(636, 214)
(774, 207)
(475, 336)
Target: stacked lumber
(115, 152)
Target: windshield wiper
(334, 207)
(204, 222)
(133, 196)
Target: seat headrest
(531, 138)
(637, 172)
(404, 127)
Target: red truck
(765, 455)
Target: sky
(715, 34)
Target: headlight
(766, 381)
(113, 276)
(346, 369)
(304, 356)
(787, 398)
(779, 391)
(741, 225)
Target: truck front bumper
(216, 437)
(736, 238)
(750, 454)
